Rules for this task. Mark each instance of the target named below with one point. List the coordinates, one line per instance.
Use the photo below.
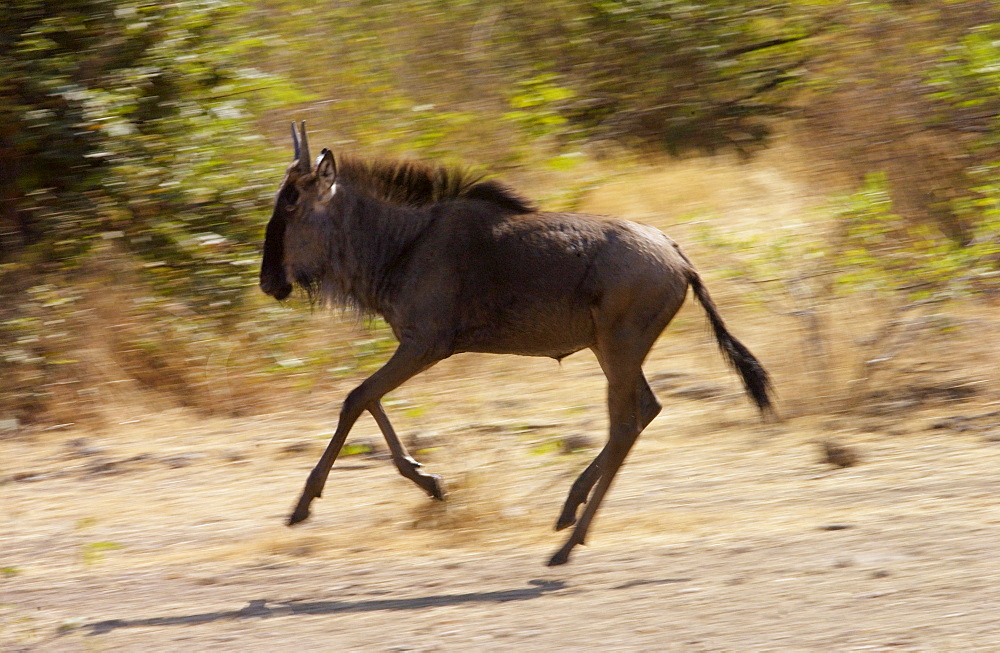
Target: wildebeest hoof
(565, 521)
(560, 558)
(435, 489)
(300, 515)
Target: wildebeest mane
(414, 183)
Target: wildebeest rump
(456, 264)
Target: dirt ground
(165, 531)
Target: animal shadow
(264, 609)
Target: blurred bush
(673, 74)
(131, 124)
(863, 291)
(130, 158)
(909, 89)
(135, 176)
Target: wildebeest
(457, 264)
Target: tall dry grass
(830, 349)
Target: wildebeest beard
(311, 283)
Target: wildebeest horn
(304, 164)
(295, 141)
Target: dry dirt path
(721, 533)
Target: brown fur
(456, 264)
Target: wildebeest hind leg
(407, 466)
(624, 373)
(649, 408)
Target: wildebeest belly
(535, 304)
(527, 328)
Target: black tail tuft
(755, 378)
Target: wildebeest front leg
(408, 360)
(407, 466)
(649, 408)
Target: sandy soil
(165, 532)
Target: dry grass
(776, 196)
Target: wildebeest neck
(365, 245)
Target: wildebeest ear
(326, 168)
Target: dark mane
(414, 183)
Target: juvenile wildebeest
(455, 264)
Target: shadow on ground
(259, 608)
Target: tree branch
(764, 45)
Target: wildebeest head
(293, 242)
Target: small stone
(79, 447)
(297, 448)
(700, 392)
(182, 459)
(102, 466)
(28, 477)
(419, 442)
(840, 455)
(234, 455)
(576, 442)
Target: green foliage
(430, 129)
(9, 571)
(899, 272)
(93, 552)
(873, 251)
(677, 74)
(967, 82)
(545, 448)
(130, 124)
(910, 89)
(356, 449)
(967, 79)
(535, 105)
(131, 158)
(883, 252)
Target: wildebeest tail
(755, 378)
